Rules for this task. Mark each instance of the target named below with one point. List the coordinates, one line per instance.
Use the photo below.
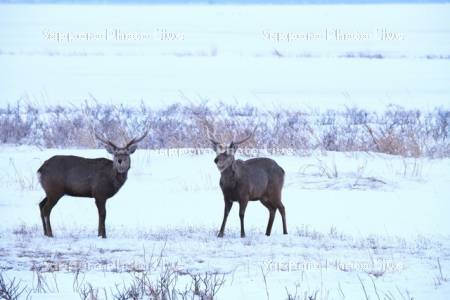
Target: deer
(97, 178)
(248, 180)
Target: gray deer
(242, 181)
(98, 178)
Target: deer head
(225, 152)
(121, 155)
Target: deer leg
(228, 205)
(46, 210)
(242, 207)
(272, 211)
(270, 223)
(41, 205)
(101, 217)
(283, 216)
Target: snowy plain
(353, 219)
(223, 53)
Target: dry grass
(398, 131)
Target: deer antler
(136, 140)
(106, 142)
(246, 138)
(211, 137)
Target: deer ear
(110, 149)
(214, 145)
(233, 147)
(132, 148)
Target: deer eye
(120, 161)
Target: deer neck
(119, 178)
(228, 177)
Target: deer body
(98, 178)
(253, 178)
(242, 181)
(81, 177)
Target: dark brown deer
(242, 181)
(98, 178)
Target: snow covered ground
(393, 54)
(354, 220)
